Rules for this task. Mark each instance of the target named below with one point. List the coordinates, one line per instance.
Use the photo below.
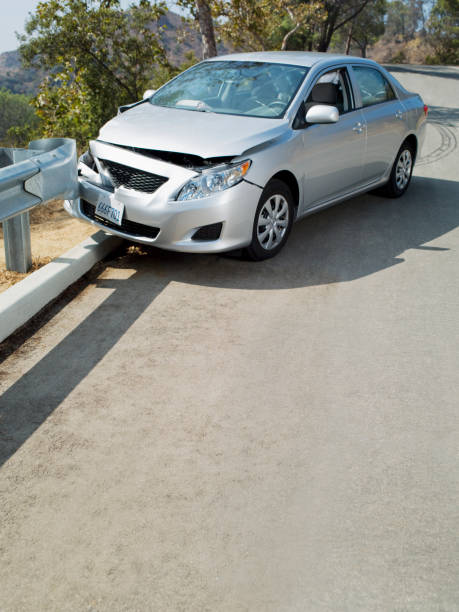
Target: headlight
(212, 181)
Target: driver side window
(332, 88)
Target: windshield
(254, 89)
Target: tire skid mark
(448, 144)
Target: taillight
(426, 109)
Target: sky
(14, 17)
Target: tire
(276, 207)
(400, 175)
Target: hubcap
(403, 170)
(272, 222)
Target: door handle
(358, 127)
(399, 114)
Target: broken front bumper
(158, 218)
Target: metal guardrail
(47, 169)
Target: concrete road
(199, 433)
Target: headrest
(325, 93)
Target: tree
(300, 18)
(246, 24)
(443, 32)
(99, 57)
(416, 16)
(67, 107)
(404, 18)
(259, 25)
(206, 26)
(270, 24)
(364, 29)
(338, 14)
(202, 13)
(17, 117)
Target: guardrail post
(16, 234)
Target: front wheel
(400, 175)
(273, 221)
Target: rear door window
(374, 87)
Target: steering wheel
(269, 106)
(276, 103)
(260, 102)
(365, 92)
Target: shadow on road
(343, 243)
(445, 72)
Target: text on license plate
(110, 209)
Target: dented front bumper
(176, 222)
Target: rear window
(374, 87)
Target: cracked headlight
(212, 181)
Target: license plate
(109, 208)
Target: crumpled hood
(185, 131)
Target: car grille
(129, 227)
(133, 178)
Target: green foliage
(443, 32)
(296, 24)
(404, 18)
(364, 29)
(399, 57)
(246, 24)
(165, 73)
(67, 107)
(104, 56)
(17, 119)
(98, 56)
(269, 24)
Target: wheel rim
(403, 169)
(272, 222)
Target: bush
(18, 120)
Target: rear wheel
(273, 221)
(400, 175)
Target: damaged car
(228, 154)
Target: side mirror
(148, 93)
(322, 113)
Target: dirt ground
(53, 232)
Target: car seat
(322, 93)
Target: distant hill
(179, 39)
(16, 78)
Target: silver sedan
(232, 151)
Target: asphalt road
(199, 433)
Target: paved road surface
(199, 433)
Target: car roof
(299, 58)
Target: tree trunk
(349, 39)
(330, 25)
(292, 31)
(206, 27)
(327, 30)
(287, 36)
